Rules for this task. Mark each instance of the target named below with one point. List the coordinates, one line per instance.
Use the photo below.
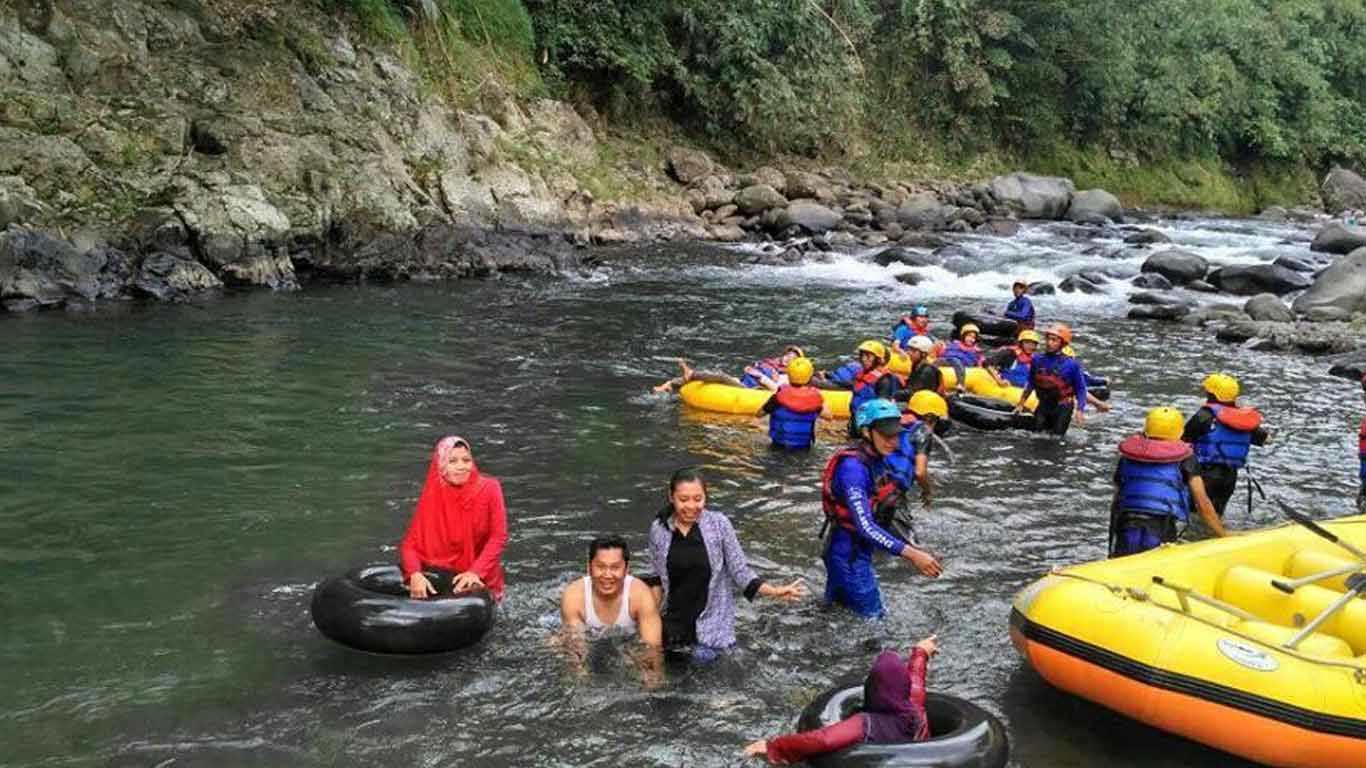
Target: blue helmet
(920, 310)
(874, 411)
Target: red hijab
(450, 504)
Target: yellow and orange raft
(1195, 639)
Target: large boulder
(168, 278)
(1268, 307)
(1079, 284)
(688, 165)
(1343, 190)
(1252, 279)
(38, 271)
(1164, 312)
(757, 198)
(1339, 238)
(1180, 267)
(812, 217)
(1350, 366)
(809, 185)
(1152, 281)
(922, 211)
(1033, 197)
(18, 202)
(1343, 285)
(1090, 204)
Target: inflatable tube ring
(369, 609)
(962, 734)
(988, 414)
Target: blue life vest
(768, 367)
(1224, 444)
(900, 464)
(865, 388)
(1018, 372)
(1361, 449)
(968, 356)
(1150, 481)
(792, 425)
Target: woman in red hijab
(460, 525)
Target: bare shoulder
(642, 597)
(571, 601)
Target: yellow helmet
(927, 403)
(875, 347)
(969, 328)
(1067, 350)
(1223, 386)
(799, 370)
(1164, 424)
(1030, 334)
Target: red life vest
(884, 491)
(869, 378)
(1022, 357)
(803, 399)
(1361, 438)
(1048, 380)
(1148, 450)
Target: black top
(771, 404)
(1001, 359)
(1202, 422)
(924, 376)
(689, 574)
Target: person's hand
(1019, 408)
(467, 581)
(929, 645)
(926, 563)
(1103, 407)
(419, 587)
(757, 749)
(1080, 417)
(791, 592)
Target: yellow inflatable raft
(1204, 640)
(724, 398)
(978, 381)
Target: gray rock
(1350, 366)
(39, 271)
(766, 176)
(1180, 267)
(1343, 285)
(1152, 281)
(1274, 213)
(18, 202)
(1318, 338)
(1327, 315)
(1000, 227)
(1343, 190)
(1296, 264)
(688, 165)
(758, 198)
(808, 185)
(1164, 312)
(1090, 205)
(922, 211)
(1149, 298)
(1251, 279)
(1339, 238)
(900, 255)
(1033, 197)
(1079, 284)
(991, 325)
(1267, 306)
(1042, 288)
(910, 278)
(715, 193)
(922, 240)
(1202, 286)
(167, 278)
(726, 233)
(893, 230)
(1147, 237)
(812, 217)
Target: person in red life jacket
(853, 485)
(910, 326)
(769, 373)
(1059, 382)
(868, 378)
(794, 408)
(1020, 309)
(924, 375)
(893, 712)
(460, 525)
(1013, 361)
(1222, 435)
(1361, 453)
(1157, 483)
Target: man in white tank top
(609, 597)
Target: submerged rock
(1079, 284)
(1146, 237)
(899, 255)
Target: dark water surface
(174, 480)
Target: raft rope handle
(1356, 583)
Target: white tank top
(624, 620)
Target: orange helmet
(1061, 330)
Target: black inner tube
(369, 609)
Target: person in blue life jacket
(867, 377)
(1222, 435)
(909, 465)
(1059, 383)
(1013, 361)
(795, 408)
(1157, 485)
(851, 486)
(910, 326)
(963, 353)
(769, 373)
(1020, 309)
(1091, 399)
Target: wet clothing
(893, 712)
(925, 376)
(1152, 502)
(725, 569)
(1021, 310)
(968, 356)
(793, 412)
(908, 329)
(689, 573)
(849, 492)
(915, 440)
(457, 528)
(1221, 451)
(1013, 363)
(623, 618)
(1058, 378)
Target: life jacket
(1230, 439)
(1018, 372)
(770, 368)
(1150, 481)
(957, 350)
(792, 424)
(883, 492)
(900, 465)
(909, 323)
(865, 388)
(1049, 379)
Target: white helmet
(921, 343)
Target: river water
(174, 479)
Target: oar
(1183, 593)
(1290, 586)
(1320, 531)
(1355, 584)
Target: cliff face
(246, 151)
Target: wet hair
(611, 541)
(679, 477)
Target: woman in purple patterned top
(700, 564)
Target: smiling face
(868, 360)
(688, 499)
(459, 464)
(1053, 341)
(969, 339)
(608, 571)
(1029, 346)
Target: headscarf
(448, 503)
(887, 707)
